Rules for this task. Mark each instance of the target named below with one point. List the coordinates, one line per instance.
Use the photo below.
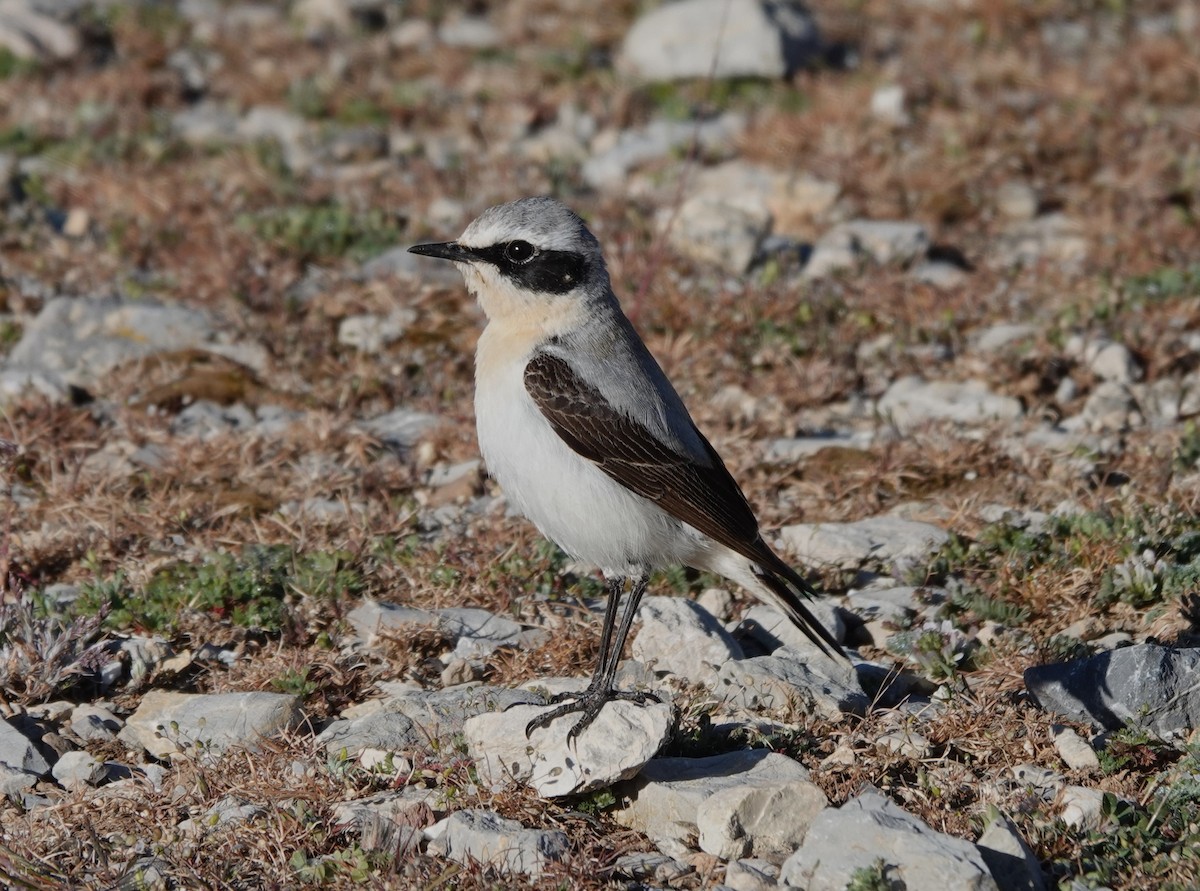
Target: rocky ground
(927, 274)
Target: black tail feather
(789, 586)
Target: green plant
(294, 681)
(323, 230)
(248, 588)
(871, 878)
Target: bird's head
(527, 256)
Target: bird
(589, 440)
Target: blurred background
(935, 260)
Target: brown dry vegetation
(1108, 135)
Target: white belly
(570, 500)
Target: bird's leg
(600, 690)
(616, 587)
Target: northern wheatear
(587, 437)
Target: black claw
(590, 702)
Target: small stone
(614, 747)
(912, 401)
(680, 637)
(459, 671)
(168, 723)
(629, 149)
(1013, 864)
(723, 231)
(78, 770)
(391, 821)
(93, 722)
(1052, 238)
(1074, 749)
(717, 602)
(400, 429)
(441, 714)
(1082, 808)
(19, 752)
(1147, 685)
(469, 32)
(1114, 362)
(656, 867)
(784, 683)
(665, 799)
(771, 629)
(766, 821)
(908, 743)
(490, 839)
(887, 105)
(870, 828)
(385, 731)
(370, 333)
(228, 813)
(720, 39)
(77, 223)
(752, 874)
(1017, 200)
(1002, 336)
(875, 541)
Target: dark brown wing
(703, 495)
(700, 493)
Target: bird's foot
(589, 702)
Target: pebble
(664, 801)
(771, 629)
(78, 770)
(887, 105)
(1074, 750)
(680, 637)
(624, 736)
(912, 401)
(751, 874)
(399, 429)
(1053, 238)
(18, 752)
(487, 838)
(720, 39)
(1082, 807)
(28, 33)
(788, 684)
(871, 827)
(1016, 200)
(629, 149)
(877, 541)
(1147, 685)
(168, 723)
(1012, 862)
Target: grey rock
(834, 252)
(787, 683)
(887, 105)
(725, 232)
(797, 448)
(869, 828)
(1074, 750)
(632, 148)
(742, 38)
(19, 752)
(78, 339)
(399, 429)
(614, 747)
(168, 723)
(888, 241)
(766, 821)
(489, 839)
(78, 770)
(384, 731)
(873, 541)
(665, 799)
(441, 714)
(1013, 864)
(680, 637)
(21, 382)
(1110, 408)
(1045, 781)
(1148, 686)
(28, 33)
(477, 632)
(1082, 807)
(94, 722)
(1114, 362)
(391, 821)
(228, 813)
(940, 273)
(1052, 238)
(369, 333)
(751, 874)
(16, 784)
(912, 401)
(469, 31)
(790, 201)
(771, 629)
(1003, 335)
(205, 123)
(1017, 200)
(652, 866)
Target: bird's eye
(519, 252)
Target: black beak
(447, 250)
